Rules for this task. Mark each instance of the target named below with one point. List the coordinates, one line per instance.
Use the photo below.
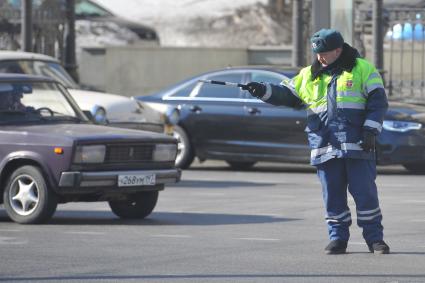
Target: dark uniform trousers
(358, 175)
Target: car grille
(129, 153)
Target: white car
(106, 108)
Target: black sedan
(227, 123)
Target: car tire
(416, 168)
(137, 206)
(239, 165)
(185, 152)
(27, 197)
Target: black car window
(185, 90)
(11, 67)
(267, 77)
(220, 91)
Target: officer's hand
(256, 89)
(368, 141)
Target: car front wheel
(27, 197)
(137, 206)
(185, 151)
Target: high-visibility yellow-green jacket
(341, 103)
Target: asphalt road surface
(218, 225)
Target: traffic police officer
(346, 102)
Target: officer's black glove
(256, 89)
(368, 141)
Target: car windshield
(84, 8)
(41, 68)
(36, 102)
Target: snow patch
(212, 23)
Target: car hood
(118, 108)
(67, 133)
(406, 112)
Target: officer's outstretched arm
(275, 94)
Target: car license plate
(136, 180)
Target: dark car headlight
(165, 152)
(90, 154)
(401, 126)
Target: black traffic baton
(242, 86)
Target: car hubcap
(24, 195)
(180, 147)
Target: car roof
(273, 68)
(283, 70)
(20, 55)
(24, 78)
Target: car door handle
(254, 110)
(195, 108)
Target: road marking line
(413, 201)
(171, 236)
(11, 241)
(10, 230)
(257, 239)
(417, 220)
(84, 233)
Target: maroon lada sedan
(52, 153)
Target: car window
(29, 102)
(185, 90)
(11, 67)
(267, 77)
(84, 8)
(40, 68)
(220, 91)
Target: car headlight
(172, 116)
(401, 126)
(90, 154)
(165, 152)
(100, 116)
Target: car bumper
(88, 182)
(401, 148)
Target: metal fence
(48, 28)
(404, 50)
(405, 53)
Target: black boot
(379, 247)
(336, 247)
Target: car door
(277, 132)
(215, 116)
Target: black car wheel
(417, 168)
(137, 206)
(185, 151)
(27, 196)
(239, 165)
